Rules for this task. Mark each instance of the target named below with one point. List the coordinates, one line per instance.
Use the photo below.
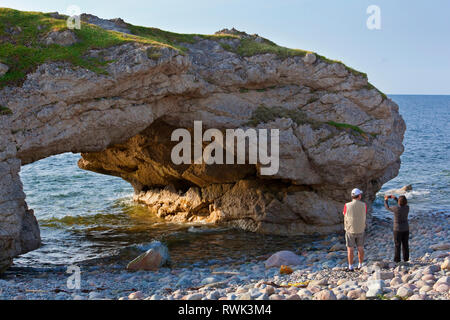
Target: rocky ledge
(117, 96)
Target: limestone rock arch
(344, 123)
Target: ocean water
(87, 217)
(426, 159)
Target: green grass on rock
(22, 48)
(264, 114)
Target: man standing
(355, 223)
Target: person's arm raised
(386, 204)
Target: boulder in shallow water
(152, 259)
(280, 258)
(402, 190)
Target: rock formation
(151, 260)
(337, 132)
(281, 258)
(402, 190)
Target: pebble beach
(320, 275)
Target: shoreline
(319, 276)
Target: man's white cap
(356, 192)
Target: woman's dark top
(400, 216)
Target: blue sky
(409, 55)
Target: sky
(409, 54)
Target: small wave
(408, 194)
(124, 197)
(416, 193)
(146, 246)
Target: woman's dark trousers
(401, 240)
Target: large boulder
(151, 260)
(283, 258)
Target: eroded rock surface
(65, 38)
(319, 163)
(121, 122)
(19, 231)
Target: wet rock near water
(151, 260)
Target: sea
(89, 218)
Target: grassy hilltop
(22, 49)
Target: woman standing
(401, 227)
